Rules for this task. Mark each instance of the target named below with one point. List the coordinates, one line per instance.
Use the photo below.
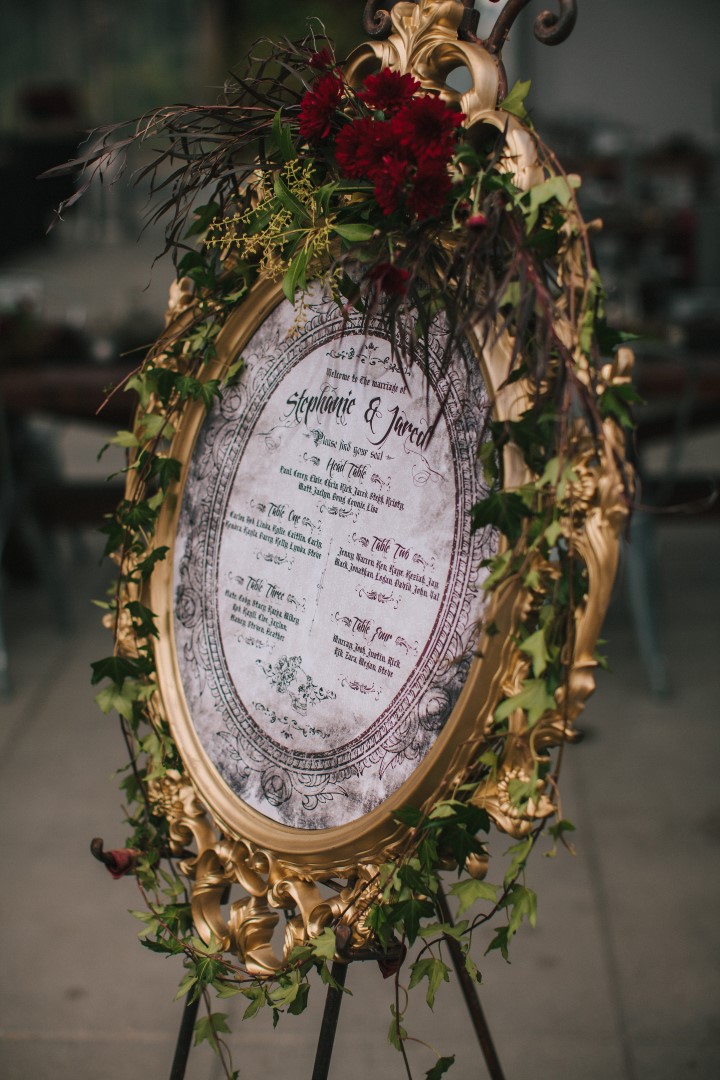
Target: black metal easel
(333, 1001)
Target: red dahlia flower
(427, 127)
(388, 91)
(361, 146)
(390, 178)
(430, 188)
(318, 106)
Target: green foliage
(440, 1067)
(534, 699)
(207, 1029)
(503, 510)
(432, 969)
(514, 100)
(470, 890)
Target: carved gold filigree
(424, 41)
(317, 881)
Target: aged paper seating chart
(326, 579)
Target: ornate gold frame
(278, 867)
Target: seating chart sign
(327, 584)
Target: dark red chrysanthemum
(390, 279)
(430, 188)
(427, 127)
(318, 105)
(390, 178)
(361, 146)
(388, 91)
(476, 221)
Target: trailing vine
(382, 194)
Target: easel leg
(470, 994)
(182, 1047)
(329, 1022)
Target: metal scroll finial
(550, 28)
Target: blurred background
(621, 978)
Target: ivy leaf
(152, 426)
(285, 993)
(446, 929)
(143, 619)
(556, 187)
(535, 647)
(396, 1032)
(505, 510)
(124, 438)
(233, 371)
(208, 1027)
(522, 903)
(354, 233)
(470, 891)
(166, 470)
(553, 533)
(119, 698)
(115, 668)
(227, 990)
(299, 1003)
(519, 852)
(410, 912)
(257, 1000)
(472, 968)
(324, 945)
(435, 971)
(501, 942)
(615, 401)
(533, 698)
(440, 1067)
(147, 565)
(170, 948)
(514, 101)
(190, 982)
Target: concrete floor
(620, 979)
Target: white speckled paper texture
(327, 585)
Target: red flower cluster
(318, 105)
(406, 151)
(403, 150)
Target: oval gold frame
(366, 839)
(279, 867)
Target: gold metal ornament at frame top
(424, 42)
